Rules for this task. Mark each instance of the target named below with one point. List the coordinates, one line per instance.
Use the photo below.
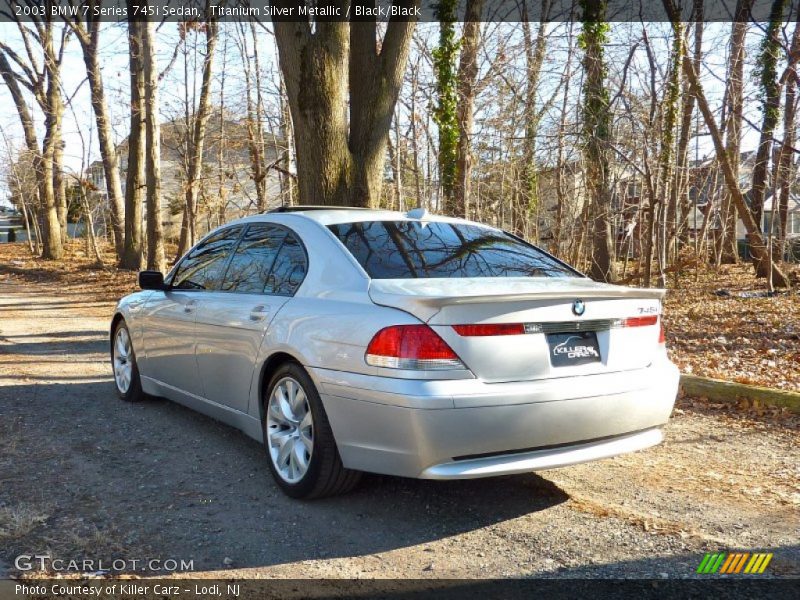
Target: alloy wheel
(123, 360)
(290, 430)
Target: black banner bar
(379, 10)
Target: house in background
(227, 189)
(707, 190)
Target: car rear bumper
(466, 428)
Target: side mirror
(151, 280)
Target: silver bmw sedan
(408, 344)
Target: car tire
(123, 364)
(298, 440)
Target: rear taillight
(640, 321)
(661, 337)
(492, 329)
(415, 347)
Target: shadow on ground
(154, 477)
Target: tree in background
(197, 136)
(133, 251)
(466, 79)
(770, 96)
(86, 28)
(445, 114)
(726, 240)
(38, 72)
(340, 161)
(757, 246)
(534, 59)
(155, 236)
(786, 169)
(597, 136)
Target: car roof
(333, 215)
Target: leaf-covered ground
(717, 324)
(721, 325)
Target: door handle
(190, 306)
(259, 313)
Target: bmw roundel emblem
(578, 308)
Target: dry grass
(17, 522)
(76, 272)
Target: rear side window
(289, 269)
(203, 267)
(413, 249)
(251, 263)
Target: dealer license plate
(571, 349)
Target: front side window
(414, 249)
(203, 267)
(251, 263)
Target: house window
(792, 223)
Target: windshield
(414, 249)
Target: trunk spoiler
(429, 296)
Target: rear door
(265, 270)
(169, 316)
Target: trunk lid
(545, 307)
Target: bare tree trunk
(397, 164)
(133, 249)
(315, 72)
(728, 250)
(597, 135)
(59, 183)
(155, 236)
(534, 59)
(786, 164)
(670, 112)
(89, 38)
(92, 239)
(771, 109)
(560, 163)
(337, 164)
(465, 86)
(255, 128)
(287, 130)
(53, 243)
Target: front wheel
(298, 439)
(123, 361)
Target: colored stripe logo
(734, 563)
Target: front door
(170, 317)
(232, 323)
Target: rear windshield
(414, 249)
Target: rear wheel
(300, 446)
(123, 361)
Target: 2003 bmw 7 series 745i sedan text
(407, 344)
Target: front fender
(130, 308)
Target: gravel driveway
(85, 475)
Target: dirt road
(83, 475)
